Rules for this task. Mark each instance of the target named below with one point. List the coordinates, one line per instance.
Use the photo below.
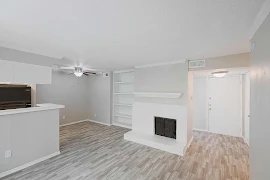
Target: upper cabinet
(6, 71)
(22, 73)
(32, 74)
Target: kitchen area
(29, 132)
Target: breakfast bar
(28, 136)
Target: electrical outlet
(95, 115)
(8, 154)
(64, 117)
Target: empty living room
(134, 90)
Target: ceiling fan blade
(86, 72)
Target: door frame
(241, 101)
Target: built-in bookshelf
(123, 89)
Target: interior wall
(67, 90)
(260, 103)
(200, 104)
(167, 79)
(81, 99)
(100, 98)
(231, 61)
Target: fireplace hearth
(165, 127)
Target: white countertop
(38, 107)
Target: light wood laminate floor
(92, 151)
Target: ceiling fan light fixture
(220, 73)
(78, 72)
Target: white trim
(261, 16)
(246, 140)
(99, 122)
(120, 104)
(28, 164)
(67, 124)
(202, 130)
(86, 120)
(158, 95)
(188, 144)
(124, 71)
(161, 64)
(120, 125)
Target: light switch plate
(8, 154)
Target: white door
(225, 105)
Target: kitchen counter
(38, 107)
(28, 136)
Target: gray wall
(100, 98)
(81, 98)
(30, 136)
(167, 79)
(260, 104)
(67, 90)
(231, 61)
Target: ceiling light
(78, 72)
(220, 73)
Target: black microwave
(15, 96)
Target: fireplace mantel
(158, 95)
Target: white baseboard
(28, 164)
(99, 122)
(86, 120)
(200, 130)
(120, 125)
(188, 144)
(75, 122)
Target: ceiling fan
(76, 70)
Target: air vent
(197, 64)
(105, 74)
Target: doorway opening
(222, 104)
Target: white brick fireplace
(143, 126)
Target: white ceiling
(124, 33)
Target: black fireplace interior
(165, 127)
